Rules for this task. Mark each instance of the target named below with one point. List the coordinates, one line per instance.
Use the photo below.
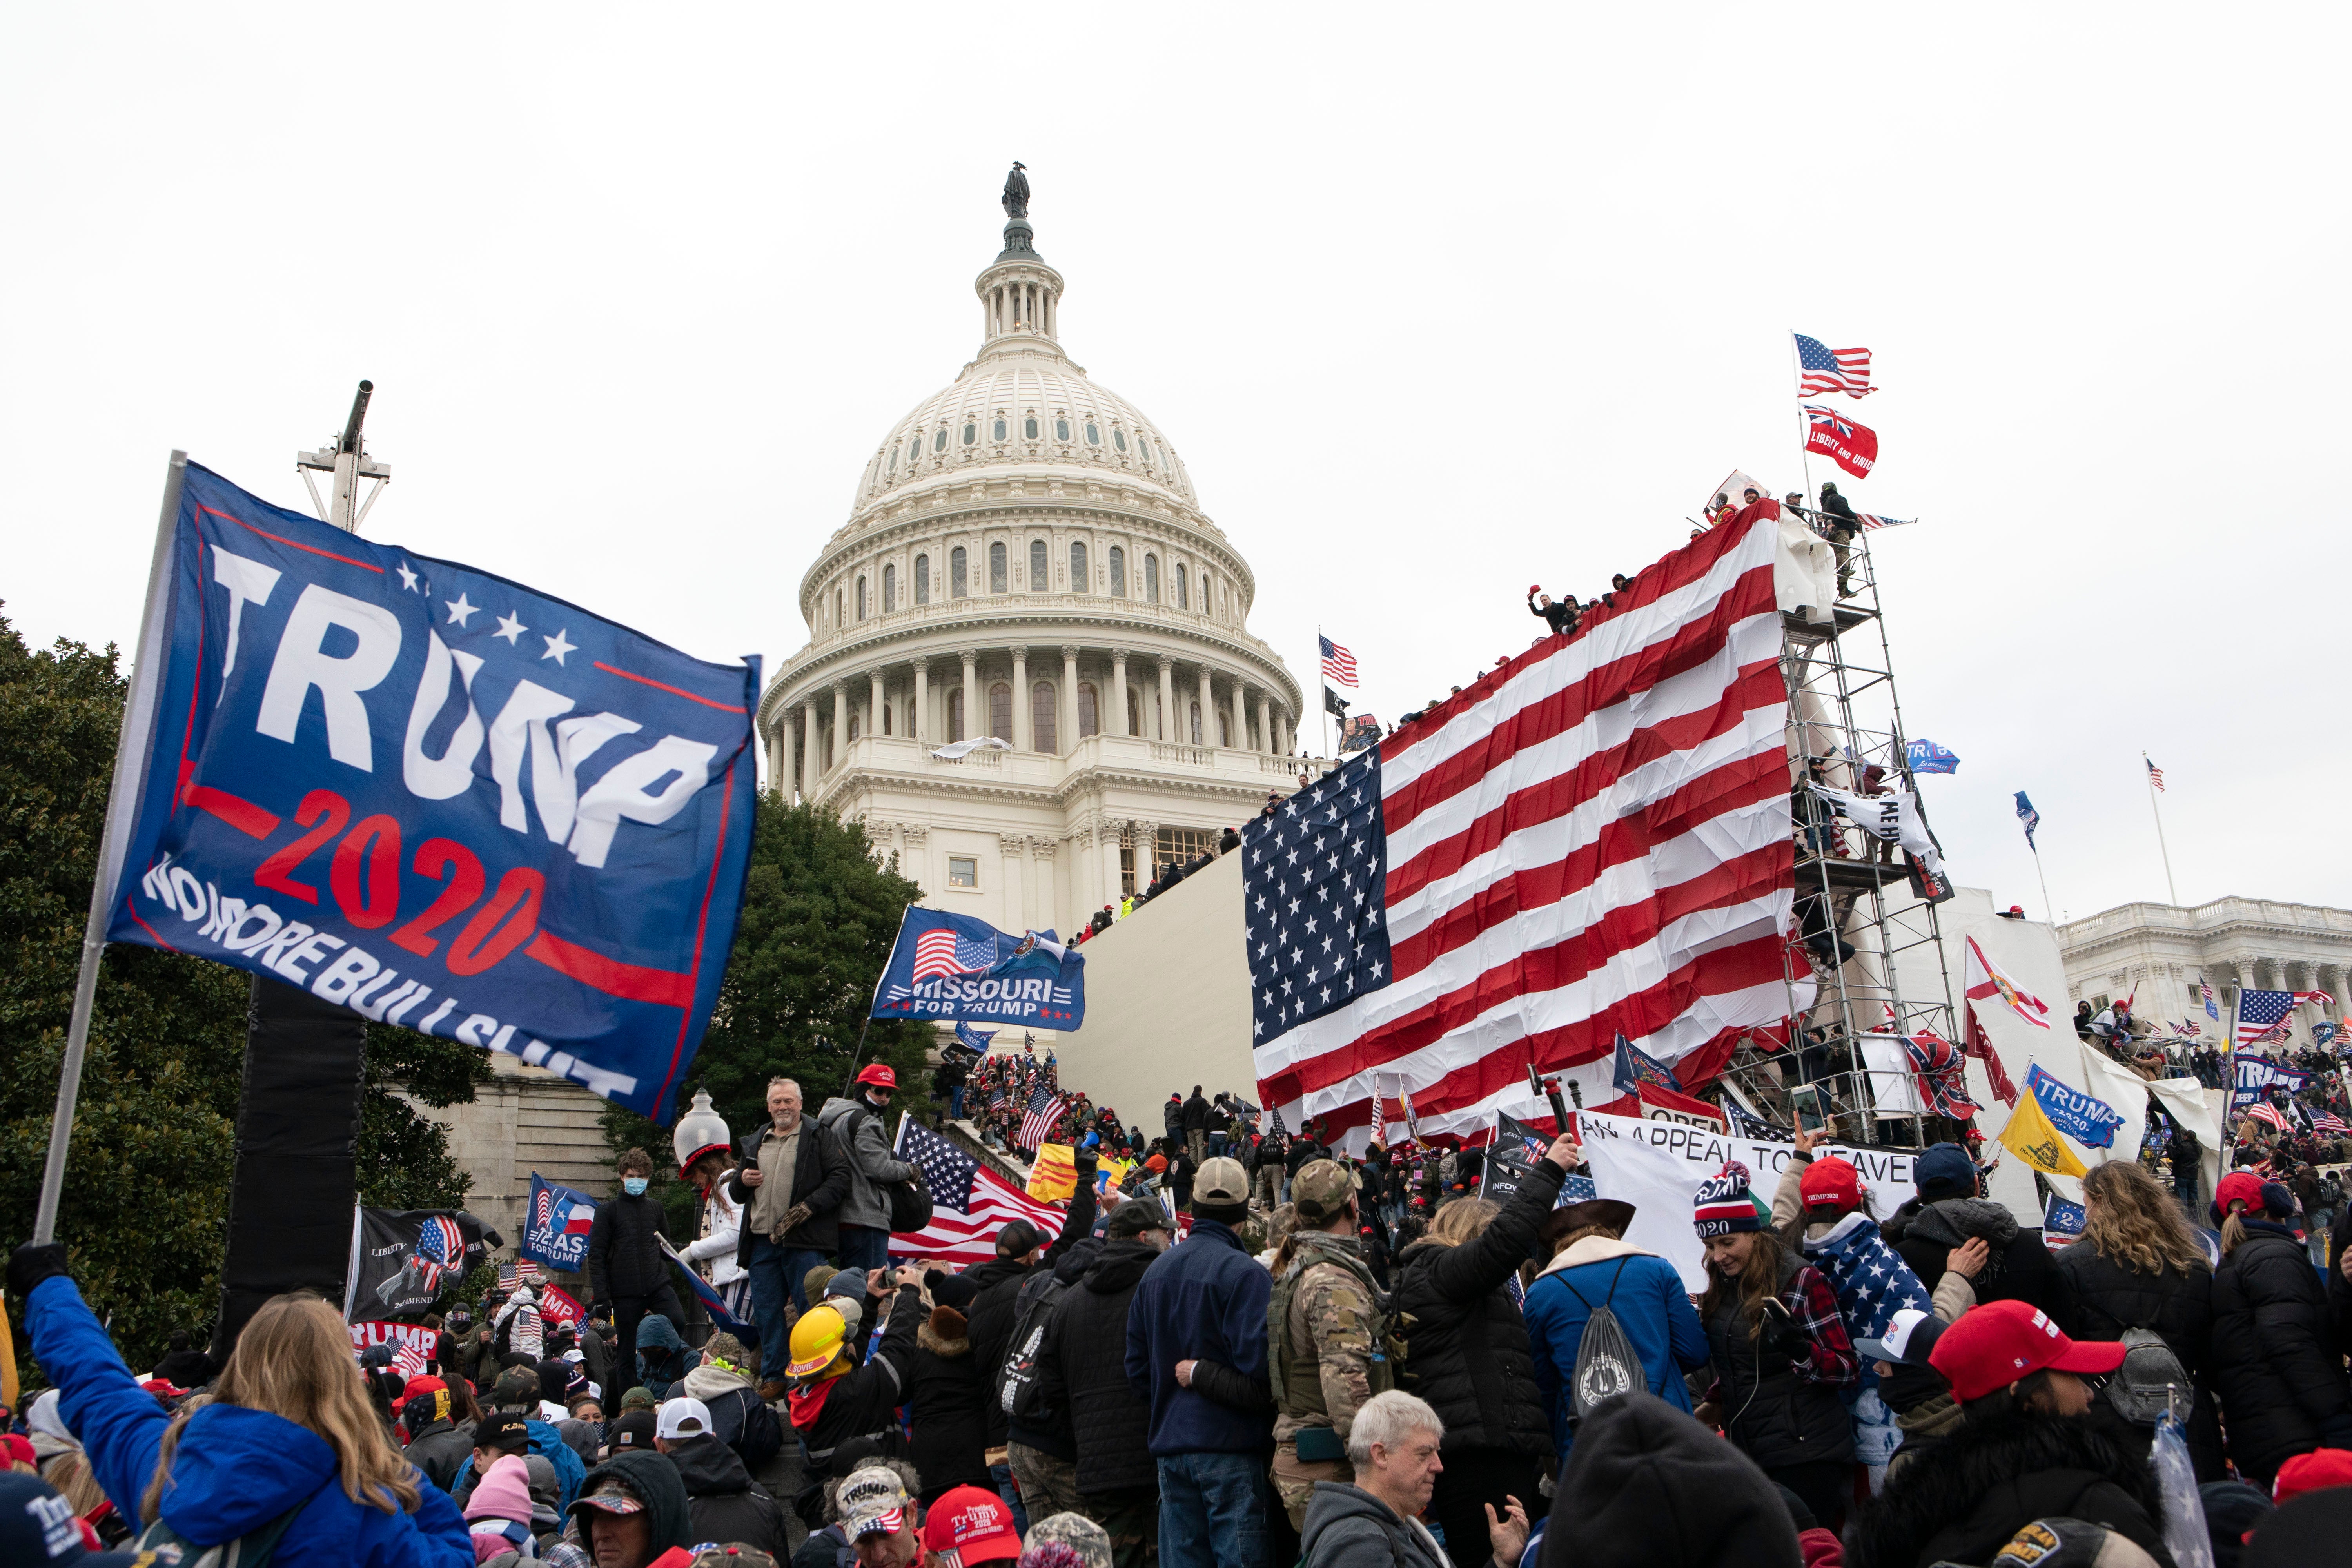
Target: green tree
(819, 915)
(145, 1207)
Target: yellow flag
(2032, 1139)
(1117, 1170)
(1055, 1175)
(8, 1362)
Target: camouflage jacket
(1323, 1357)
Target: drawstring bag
(1606, 1364)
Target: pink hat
(503, 1493)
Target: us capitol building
(1026, 559)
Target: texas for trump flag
(1593, 839)
(1851, 447)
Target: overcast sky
(1433, 304)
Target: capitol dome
(1025, 566)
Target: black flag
(1331, 704)
(403, 1261)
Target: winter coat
(820, 1178)
(1196, 1115)
(1466, 1350)
(996, 1308)
(2099, 1298)
(855, 1128)
(546, 1442)
(1964, 1495)
(625, 1255)
(722, 1503)
(1202, 1300)
(651, 1477)
(1172, 1114)
(946, 1403)
(1041, 1424)
(1650, 1304)
(2019, 1270)
(2276, 1366)
(236, 1470)
(1348, 1527)
(728, 1396)
(661, 1355)
(439, 1449)
(862, 1402)
(1081, 1371)
(722, 1237)
(1777, 1417)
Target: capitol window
(1179, 846)
(1088, 722)
(1029, 429)
(855, 723)
(1118, 571)
(999, 711)
(1061, 430)
(1038, 574)
(861, 598)
(1151, 578)
(999, 431)
(996, 568)
(963, 871)
(889, 589)
(1183, 599)
(970, 432)
(922, 579)
(914, 450)
(1094, 437)
(892, 466)
(1079, 583)
(1119, 438)
(955, 714)
(887, 708)
(1196, 725)
(838, 615)
(940, 441)
(956, 584)
(1042, 713)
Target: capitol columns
(1208, 708)
(1146, 836)
(1168, 726)
(840, 722)
(920, 728)
(1116, 722)
(972, 711)
(874, 702)
(1040, 855)
(1066, 740)
(1266, 723)
(1011, 847)
(808, 749)
(1020, 696)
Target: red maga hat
(1999, 1342)
(879, 1073)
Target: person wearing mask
(1780, 1350)
(633, 1511)
(1374, 1522)
(1591, 1266)
(856, 1126)
(836, 1395)
(2022, 1449)
(437, 1441)
(722, 1501)
(995, 1310)
(1948, 1212)
(1196, 1351)
(1196, 1125)
(2276, 1366)
(1839, 525)
(286, 1443)
(626, 1268)
(1468, 1350)
(1325, 1332)
(2139, 1266)
(716, 1255)
(1081, 1374)
(791, 1180)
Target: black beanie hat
(1648, 1487)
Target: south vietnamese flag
(1853, 447)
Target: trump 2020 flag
(953, 967)
(555, 1231)
(435, 796)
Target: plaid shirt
(1830, 1359)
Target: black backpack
(760, 1435)
(1031, 1307)
(1606, 1363)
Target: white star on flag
(407, 578)
(459, 610)
(556, 647)
(511, 627)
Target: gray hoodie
(1348, 1527)
(870, 1164)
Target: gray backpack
(1606, 1364)
(2138, 1388)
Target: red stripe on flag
(631, 981)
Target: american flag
(1592, 838)
(2189, 1027)
(1871, 520)
(409, 1359)
(440, 1251)
(2155, 774)
(1872, 1281)
(2259, 1012)
(1832, 370)
(2263, 1110)
(945, 952)
(1338, 664)
(1045, 1108)
(970, 1202)
(2329, 1121)
(2212, 1008)
(2321, 997)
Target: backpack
(909, 1201)
(1606, 1362)
(761, 1436)
(1031, 1307)
(1388, 1328)
(251, 1550)
(2138, 1389)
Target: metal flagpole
(1322, 699)
(2046, 912)
(1804, 429)
(2148, 767)
(122, 804)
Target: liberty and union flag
(1851, 447)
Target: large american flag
(1338, 664)
(944, 951)
(1045, 1108)
(2259, 1012)
(1594, 838)
(2329, 1121)
(1832, 370)
(970, 1202)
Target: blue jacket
(1650, 1304)
(1203, 1300)
(236, 1470)
(549, 1444)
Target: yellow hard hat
(816, 1342)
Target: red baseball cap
(967, 1525)
(1832, 1182)
(879, 1073)
(1999, 1342)
(2310, 1472)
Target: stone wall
(525, 1119)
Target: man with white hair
(1376, 1523)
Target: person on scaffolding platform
(1816, 819)
(1839, 526)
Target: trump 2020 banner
(953, 967)
(436, 798)
(555, 1230)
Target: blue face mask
(634, 1186)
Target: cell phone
(1805, 1102)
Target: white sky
(1434, 304)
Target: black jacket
(623, 1257)
(1034, 1422)
(1173, 1115)
(860, 1404)
(2099, 1298)
(820, 1178)
(1961, 1496)
(993, 1310)
(1082, 1370)
(1196, 1114)
(1776, 1417)
(2277, 1368)
(439, 1450)
(721, 1499)
(946, 1400)
(2019, 1270)
(1466, 1344)
(1560, 618)
(1304, 1151)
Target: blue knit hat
(1724, 1206)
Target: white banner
(1657, 1166)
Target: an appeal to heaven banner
(438, 798)
(1657, 1166)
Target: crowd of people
(1264, 1351)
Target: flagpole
(1323, 705)
(1804, 431)
(2047, 913)
(121, 805)
(2148, 767)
